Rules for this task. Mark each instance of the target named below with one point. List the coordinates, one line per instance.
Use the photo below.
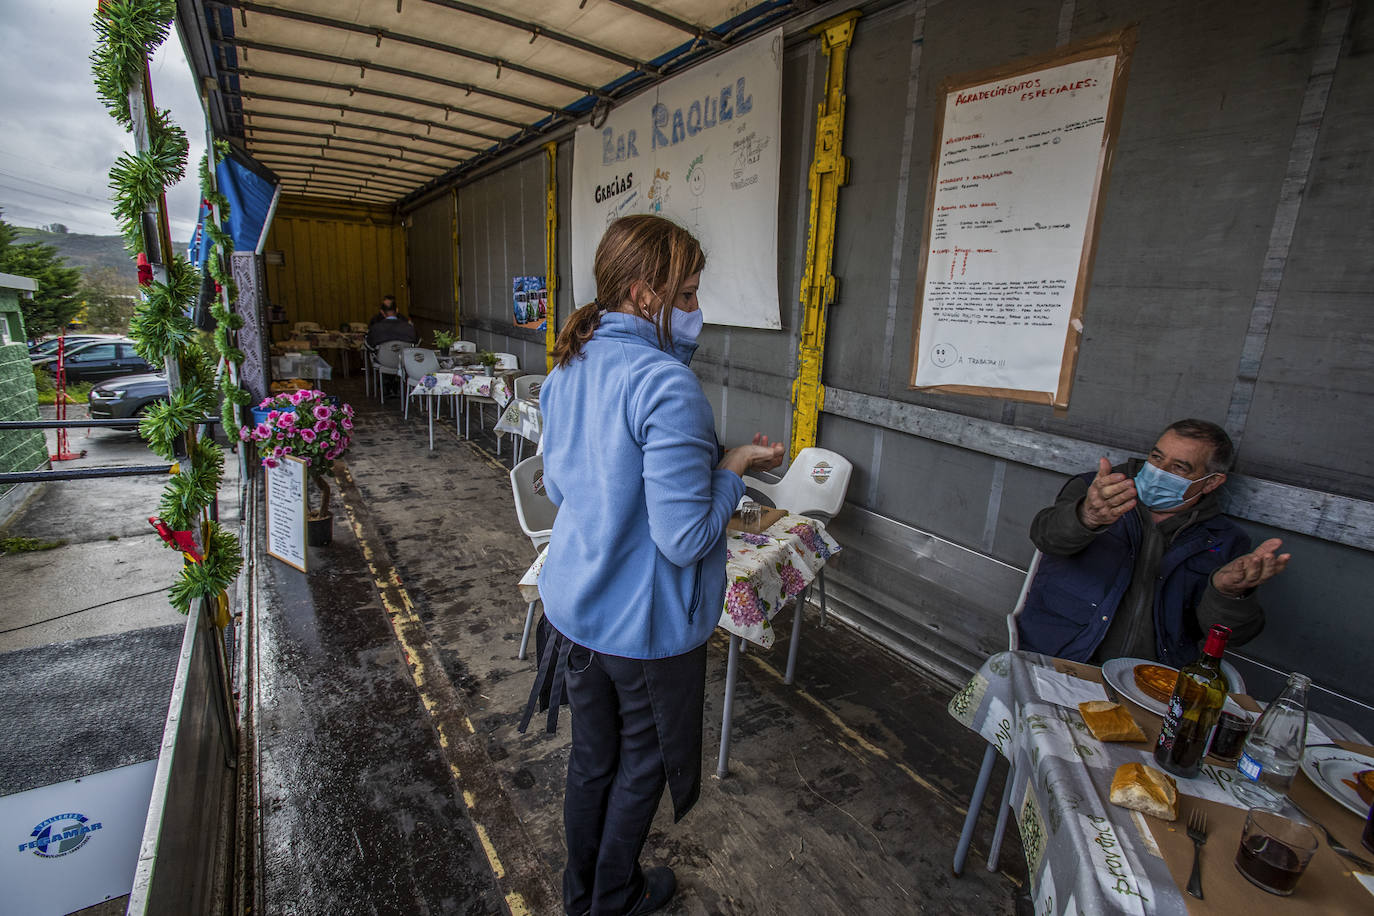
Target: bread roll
(1110, 721)
(1156, 681)
(1142, 788)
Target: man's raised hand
(1244, 573)
(1109, 497)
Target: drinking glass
(1274, 851)
(1229, 737)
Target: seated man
(387, 300)
(1139, 561)
(390, 327)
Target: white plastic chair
(536, 513)
(387, 362)
(814, 485)
(463, 346)
(507, 362)
(527, 386)
(417, 362)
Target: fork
(1336, 846)
(1197, 832)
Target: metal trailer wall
(338, 261)
(1232, 268)
(429, 246)
(501, 235)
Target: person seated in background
(1138, 560)
(390, 327)
(377, 316)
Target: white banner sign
(73, 844)
(1020, 160)
(703, 150)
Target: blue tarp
(250, 199)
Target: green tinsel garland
(233, 397)
(127, 32)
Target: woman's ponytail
(582, 324)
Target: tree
(56, 229)
(109, 299)
(56, 300)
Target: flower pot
(319, 532)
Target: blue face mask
(1158, 489)
(687, 327)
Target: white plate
(1329, 767)
(1120, 673)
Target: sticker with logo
(60, 835)
(539, 481)
(821, 472)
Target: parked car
(46, 348)
(126, 396)
(97, 360)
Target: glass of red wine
(1274, 851)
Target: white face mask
(687, 326)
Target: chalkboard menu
(286, 512)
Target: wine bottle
(1198, 696)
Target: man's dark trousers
(634, 724)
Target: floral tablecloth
(522, 418)
(762, 571)
(1083, 854)
(499, 388)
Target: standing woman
(635, 573)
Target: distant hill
(88, 251)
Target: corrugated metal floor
(845, 793)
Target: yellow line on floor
(404, 620)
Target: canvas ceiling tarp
(370, 101)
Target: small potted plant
(311, 426)
(488, 361)
(443, 340)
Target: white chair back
(463, 346)
(389, 355)
(533, 508)
(527, 386)
(507, 361)
(1013, 637)
(419, 362)
(814, 484)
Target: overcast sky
(58, 142)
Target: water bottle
(1274, 748)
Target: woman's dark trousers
(636, 726)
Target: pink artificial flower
(276, 452)
(307, 435)
(286, 449)
(346, 423)
(300, 395)
(286, 419)
(269, 462)
(323, 426)
(307, 461)
(322, 411)
(244, 433)
(273, 415)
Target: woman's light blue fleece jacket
(636, 564)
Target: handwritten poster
(286, 512)
(1011, 217)
(703, 150)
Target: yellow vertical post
(551, 254)
(457, 261)
(829, 172)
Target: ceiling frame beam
(282, 168)
(369, 112)
(322, 150)
(538, 31)
(252, 114)
(352, 88)
(682, 25)
(336, 141)
(362, 66)
(382, 34)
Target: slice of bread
(1110, 721)
(1156, 681)
(1143, 788)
